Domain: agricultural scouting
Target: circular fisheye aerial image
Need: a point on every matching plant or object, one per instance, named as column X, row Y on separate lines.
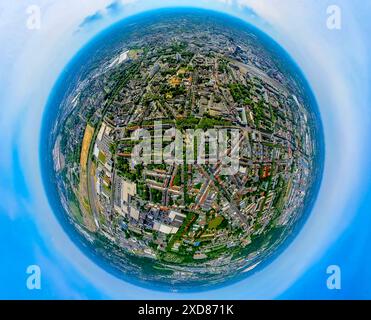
column 182, row 148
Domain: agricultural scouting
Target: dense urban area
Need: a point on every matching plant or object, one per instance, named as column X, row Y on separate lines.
column 184, row 219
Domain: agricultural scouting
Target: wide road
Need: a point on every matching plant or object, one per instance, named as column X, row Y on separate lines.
column 92, row 193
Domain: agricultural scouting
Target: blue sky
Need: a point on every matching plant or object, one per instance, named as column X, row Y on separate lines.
column 336, row 64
